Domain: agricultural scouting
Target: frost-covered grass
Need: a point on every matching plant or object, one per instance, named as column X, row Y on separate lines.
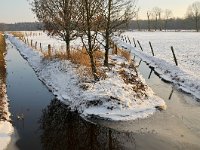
column 121, row 94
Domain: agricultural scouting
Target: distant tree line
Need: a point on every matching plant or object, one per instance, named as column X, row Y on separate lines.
column 158, row 19
column 172, row 24
column 25, row 26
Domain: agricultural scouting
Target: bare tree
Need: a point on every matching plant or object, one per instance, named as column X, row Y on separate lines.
column 116, row 14
column 90, row 12
column 137, row 19
column 167, row 15
column 148, row 19
column 193, row 12
column 59, row 18
column 157, row 16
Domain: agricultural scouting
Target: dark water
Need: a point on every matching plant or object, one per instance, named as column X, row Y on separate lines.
column 49, row 124
column 42, row 122
column 176, row 128
column 28, row 96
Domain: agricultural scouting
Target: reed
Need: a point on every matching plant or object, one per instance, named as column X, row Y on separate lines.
column 121, row 52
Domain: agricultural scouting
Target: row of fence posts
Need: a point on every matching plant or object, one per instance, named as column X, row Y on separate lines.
column 26, row 41
column 127, row 40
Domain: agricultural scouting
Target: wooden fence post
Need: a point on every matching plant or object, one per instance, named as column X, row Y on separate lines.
column 134, row 42
column 151, row 48
column 174, row 56
column 140, row 45
column 116, row 49
column 41, row 46
column 129, row 40
column 49, row 50
column 36, row 45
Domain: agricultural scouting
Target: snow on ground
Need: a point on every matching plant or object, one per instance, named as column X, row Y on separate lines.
column 56, row 43
column 6, row 128
column 188, row 81
column 186, row 46
column 110, row 98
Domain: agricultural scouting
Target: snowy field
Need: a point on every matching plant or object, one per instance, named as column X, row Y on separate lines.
column 186, row 46
column 186, row 75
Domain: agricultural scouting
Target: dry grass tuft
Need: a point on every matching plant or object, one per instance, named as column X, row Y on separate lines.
column 80, row 57
column 138, row 86
column 2, row 47
column 3, row 113
column 124, row 54
column 20, row 35
column 121, row 52
column 2, row 42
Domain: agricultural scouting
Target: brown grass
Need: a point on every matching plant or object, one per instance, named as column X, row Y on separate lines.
column 2, row 42
column 2, row 48
column 138, row 86
column 2, row 77
column 80, row 57
column 20, row 35
column 121, row 52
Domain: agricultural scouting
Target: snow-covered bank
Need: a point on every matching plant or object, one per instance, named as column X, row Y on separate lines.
column 169, row 72
column 186, row 46
column 109, row 98
column 6, row 128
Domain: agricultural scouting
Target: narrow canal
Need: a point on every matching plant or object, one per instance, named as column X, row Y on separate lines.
column 42, row 122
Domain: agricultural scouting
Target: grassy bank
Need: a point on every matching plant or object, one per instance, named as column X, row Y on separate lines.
column 2, row 77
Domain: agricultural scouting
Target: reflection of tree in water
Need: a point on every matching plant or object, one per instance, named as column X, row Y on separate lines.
column 62, row 129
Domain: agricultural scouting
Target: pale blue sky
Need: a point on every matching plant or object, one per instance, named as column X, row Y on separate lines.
column 12, row 11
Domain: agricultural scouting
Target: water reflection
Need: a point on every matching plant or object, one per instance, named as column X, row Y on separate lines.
column 150, row 73
column 63, row 129
column 170, row 96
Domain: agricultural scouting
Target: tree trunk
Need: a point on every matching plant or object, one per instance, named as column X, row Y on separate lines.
column 93, row 67
column 156, row 25
column 165, row 25
column 149, row 28
column 196, row 23
column 106, row 49
column 89, row 49
column 138, row 25
column 68, row 48
column 107, row 34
